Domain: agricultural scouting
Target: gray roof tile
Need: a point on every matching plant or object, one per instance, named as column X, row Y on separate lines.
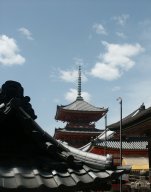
column 81, row 105
column 137, row 145
column 12, row 179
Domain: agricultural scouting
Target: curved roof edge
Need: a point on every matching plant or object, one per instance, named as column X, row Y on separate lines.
column 132, row 118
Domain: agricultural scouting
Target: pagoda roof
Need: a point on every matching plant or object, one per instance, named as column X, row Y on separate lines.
column 81, row 107
column 31, row 160
column 79, row 130
column 141, row 117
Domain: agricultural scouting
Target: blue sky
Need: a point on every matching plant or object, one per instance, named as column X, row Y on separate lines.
column 42, row 42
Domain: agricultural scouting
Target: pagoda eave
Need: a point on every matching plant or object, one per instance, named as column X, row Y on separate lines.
column 67, row 116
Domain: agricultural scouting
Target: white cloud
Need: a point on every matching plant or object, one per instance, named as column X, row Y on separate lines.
column 122, row 19
column 9, row 52
column 105, row 71
column 120, row 55
column 24, row 31
column 116, row 60
column 99, row 29
column 72, row 95
column 71, row 76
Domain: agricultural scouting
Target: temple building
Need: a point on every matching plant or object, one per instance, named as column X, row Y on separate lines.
column 80, row 118
column 136, row 145
column 137, row 125
column 134, row 151
column 33, row 161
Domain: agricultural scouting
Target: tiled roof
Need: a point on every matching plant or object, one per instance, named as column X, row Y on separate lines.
column 79, row 111
column 79, row 130
column 102, row 161
column 31, row 178
column 137, row 145
column 81, row 105
column 32, row 161
column 139, row 115
column 105, row 134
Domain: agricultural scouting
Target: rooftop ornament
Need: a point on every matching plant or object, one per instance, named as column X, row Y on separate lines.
column 79, row 97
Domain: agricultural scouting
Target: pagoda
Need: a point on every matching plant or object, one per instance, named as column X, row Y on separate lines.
column 80, row 118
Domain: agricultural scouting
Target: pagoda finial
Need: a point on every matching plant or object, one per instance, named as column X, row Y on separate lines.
column 79, row 84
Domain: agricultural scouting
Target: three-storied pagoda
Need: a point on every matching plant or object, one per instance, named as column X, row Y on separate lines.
column 80, row 117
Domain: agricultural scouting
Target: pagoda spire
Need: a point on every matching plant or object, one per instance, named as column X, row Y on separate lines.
column 79, row 97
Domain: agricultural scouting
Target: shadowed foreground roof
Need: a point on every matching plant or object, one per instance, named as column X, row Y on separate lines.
column 31, row 160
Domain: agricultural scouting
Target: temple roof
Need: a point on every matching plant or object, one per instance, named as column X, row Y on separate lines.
column 81, row 105
column 31, row 160
column 132, row 144
column 140, row 117
column 79, row 108
column 79, row 130
column 107, row 140
column 102, row 136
